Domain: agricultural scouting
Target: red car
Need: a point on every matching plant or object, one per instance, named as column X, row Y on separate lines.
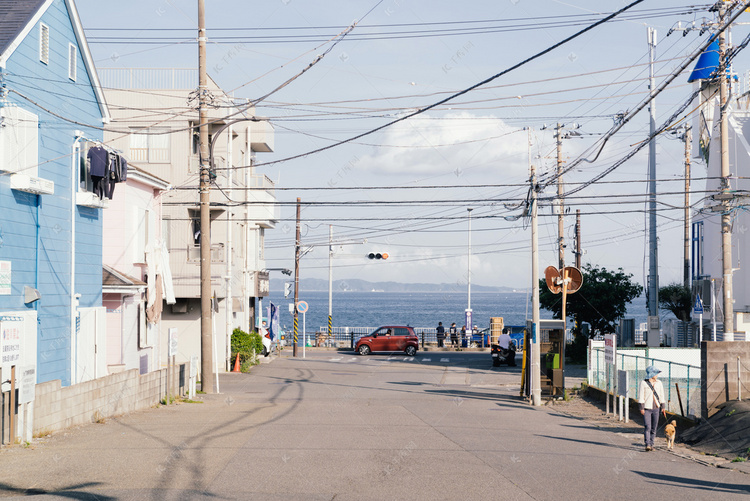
column 390, row 338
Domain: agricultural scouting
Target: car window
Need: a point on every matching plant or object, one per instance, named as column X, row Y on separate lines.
column 379, row 332
column 402, row 332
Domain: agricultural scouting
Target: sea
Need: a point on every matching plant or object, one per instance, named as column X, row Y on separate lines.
column 417, row 309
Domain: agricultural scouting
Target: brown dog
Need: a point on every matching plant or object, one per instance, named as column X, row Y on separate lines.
column 670, row 432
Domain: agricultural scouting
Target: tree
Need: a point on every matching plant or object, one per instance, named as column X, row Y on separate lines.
column 677, row 299
column 601, row 301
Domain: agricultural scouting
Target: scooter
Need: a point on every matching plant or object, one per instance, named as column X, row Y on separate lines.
column 503, row 356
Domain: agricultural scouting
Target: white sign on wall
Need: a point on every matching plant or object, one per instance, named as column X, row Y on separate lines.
column 5, row 278
column 10, row 341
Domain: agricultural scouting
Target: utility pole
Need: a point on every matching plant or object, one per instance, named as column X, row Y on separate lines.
column 296, row 278
column 579, row 252
column 536, row 383
column 207, row 379
column 560, row 203
column 686, row 250
column 330, row 282
column 726, row 195
column 653, row 262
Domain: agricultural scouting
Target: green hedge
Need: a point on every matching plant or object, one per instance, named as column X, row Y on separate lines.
column 244, row 343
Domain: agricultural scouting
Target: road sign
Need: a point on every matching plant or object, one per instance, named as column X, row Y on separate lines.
column 172, row 342
column 698, row 306
column 302, row 306
column 610, row 347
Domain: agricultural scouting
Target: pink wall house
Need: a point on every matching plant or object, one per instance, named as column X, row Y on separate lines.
column 132, row 223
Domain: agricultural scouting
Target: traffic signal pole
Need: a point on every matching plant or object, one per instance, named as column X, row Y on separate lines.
column 330, row 281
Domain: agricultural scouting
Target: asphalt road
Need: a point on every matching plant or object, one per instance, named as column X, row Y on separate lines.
column 441, row 425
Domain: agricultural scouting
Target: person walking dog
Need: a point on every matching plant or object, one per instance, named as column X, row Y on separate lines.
column 652, row 402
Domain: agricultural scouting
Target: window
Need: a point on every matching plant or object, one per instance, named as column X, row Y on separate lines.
column 19, row 141
column 72, row 61
column 150, row 147
column 44, row 43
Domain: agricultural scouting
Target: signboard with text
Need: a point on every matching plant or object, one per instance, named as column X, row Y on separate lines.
column 10, row 341
column 610, row 348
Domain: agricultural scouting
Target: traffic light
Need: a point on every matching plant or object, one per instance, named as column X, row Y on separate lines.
column 377, row 255
column 287, row 289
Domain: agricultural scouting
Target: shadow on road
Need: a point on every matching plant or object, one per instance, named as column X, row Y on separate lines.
column 71, row 492
column 693, row 483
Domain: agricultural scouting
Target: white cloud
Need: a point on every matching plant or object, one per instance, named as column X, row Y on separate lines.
column 451, row 143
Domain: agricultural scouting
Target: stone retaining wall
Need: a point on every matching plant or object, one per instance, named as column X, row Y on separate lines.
column 56, row 408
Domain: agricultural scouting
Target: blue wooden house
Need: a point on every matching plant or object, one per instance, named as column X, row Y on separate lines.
column 50, row 218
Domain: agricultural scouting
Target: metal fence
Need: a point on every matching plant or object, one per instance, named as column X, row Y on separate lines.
column 674, row 375
column 427, row 335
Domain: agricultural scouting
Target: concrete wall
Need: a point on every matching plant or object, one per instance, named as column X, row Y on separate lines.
column 719, row 373
column 56, row 408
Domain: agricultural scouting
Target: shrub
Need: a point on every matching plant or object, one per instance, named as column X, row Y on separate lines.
column 244, row 344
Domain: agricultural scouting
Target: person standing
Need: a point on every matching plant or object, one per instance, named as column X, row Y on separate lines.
column 652, row 402
column 440, row 334
column 454, row 335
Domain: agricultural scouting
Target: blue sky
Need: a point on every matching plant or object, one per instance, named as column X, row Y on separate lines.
column 366, row 81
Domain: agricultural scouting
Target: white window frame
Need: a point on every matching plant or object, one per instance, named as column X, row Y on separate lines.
column 150, row 153
column 72, row 61
column 44, row 43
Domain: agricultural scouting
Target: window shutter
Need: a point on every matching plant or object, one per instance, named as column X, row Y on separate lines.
column 72, row 61
column 44, row 43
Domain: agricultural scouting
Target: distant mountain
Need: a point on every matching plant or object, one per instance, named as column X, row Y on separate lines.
column 357, row 285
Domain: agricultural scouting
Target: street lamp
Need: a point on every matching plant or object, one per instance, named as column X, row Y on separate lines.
column 469, row 324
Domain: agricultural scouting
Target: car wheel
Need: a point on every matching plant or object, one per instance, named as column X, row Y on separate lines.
column 411, row 351
column 364, row 350
column 265, row 351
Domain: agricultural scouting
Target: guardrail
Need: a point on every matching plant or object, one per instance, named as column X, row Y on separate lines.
column 427, row 335
column 673, row 375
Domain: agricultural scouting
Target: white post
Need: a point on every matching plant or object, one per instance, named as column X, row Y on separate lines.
column 304, row 334
column 213, row 337
column 468, row 307
column 713, row 311
column 739, row 381
column 700, row 328
column 330, row 282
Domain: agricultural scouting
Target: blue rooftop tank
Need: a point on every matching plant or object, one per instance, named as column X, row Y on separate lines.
column 707, row 63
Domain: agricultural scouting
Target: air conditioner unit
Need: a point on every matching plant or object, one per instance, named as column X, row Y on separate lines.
column 88, row 199
column 31, row 184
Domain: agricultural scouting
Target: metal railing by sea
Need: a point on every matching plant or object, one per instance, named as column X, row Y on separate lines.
column 427, row 335
column 685, row 376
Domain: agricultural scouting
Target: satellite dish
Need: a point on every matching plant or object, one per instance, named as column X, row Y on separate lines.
column 574, row 277
column 552, row 277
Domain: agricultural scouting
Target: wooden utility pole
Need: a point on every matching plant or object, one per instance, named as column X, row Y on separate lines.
column 207, row 379
column 726, row 195
column 560, row 202
column 686, row 250
column 579, row 252
column 296, row 278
